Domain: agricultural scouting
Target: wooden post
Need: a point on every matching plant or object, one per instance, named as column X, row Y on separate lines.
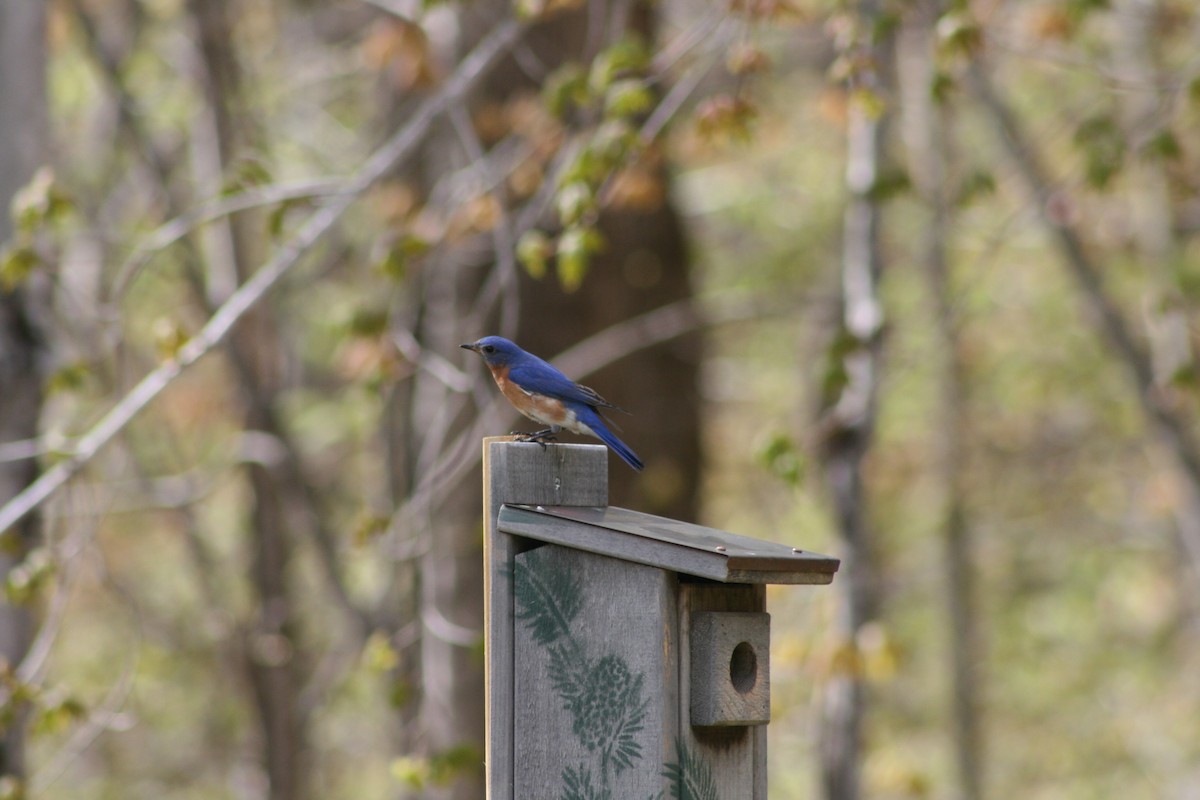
column 521, row 473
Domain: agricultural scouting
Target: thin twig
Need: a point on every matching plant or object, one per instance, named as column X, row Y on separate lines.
column 173, row 230
column 503, row 239
column 23, row 449
column 406, row 12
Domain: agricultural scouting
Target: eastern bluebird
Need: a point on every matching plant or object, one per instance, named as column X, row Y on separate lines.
column 545, row 395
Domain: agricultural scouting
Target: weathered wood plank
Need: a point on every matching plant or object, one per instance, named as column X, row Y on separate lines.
column 596, row 688
column 656, row 541
column 731, row 759
column 550, row 474
column 515, row 472
column 729, row 654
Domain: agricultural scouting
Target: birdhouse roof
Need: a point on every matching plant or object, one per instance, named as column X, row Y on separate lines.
column 668, row 544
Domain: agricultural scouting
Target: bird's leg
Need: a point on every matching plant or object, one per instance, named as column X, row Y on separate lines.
column 541, row 437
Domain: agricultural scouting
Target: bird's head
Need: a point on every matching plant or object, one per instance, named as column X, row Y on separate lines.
column 496, row 351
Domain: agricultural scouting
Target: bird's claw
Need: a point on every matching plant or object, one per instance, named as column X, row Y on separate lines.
column 537, row 437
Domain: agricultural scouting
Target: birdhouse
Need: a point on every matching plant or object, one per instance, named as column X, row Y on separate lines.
column 628, row 655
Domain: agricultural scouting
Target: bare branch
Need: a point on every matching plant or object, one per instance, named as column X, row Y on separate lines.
column 23, row 450
column 503, row 239
column 174, row 230
column 406, row 11
column 402, row 145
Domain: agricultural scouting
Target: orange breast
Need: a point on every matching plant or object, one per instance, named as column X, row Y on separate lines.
column 537, row 407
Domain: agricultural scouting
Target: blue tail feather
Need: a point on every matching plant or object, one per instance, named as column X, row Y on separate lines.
column 610, row 439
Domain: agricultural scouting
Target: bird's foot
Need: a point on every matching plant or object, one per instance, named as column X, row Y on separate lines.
column 540, row 437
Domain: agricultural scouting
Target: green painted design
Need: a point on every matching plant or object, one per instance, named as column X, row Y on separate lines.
column 605, row 699
column 690, row 776
column 547, row 601
column 609, row 712
column 577, row 785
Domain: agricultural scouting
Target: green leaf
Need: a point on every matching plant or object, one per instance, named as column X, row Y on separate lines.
column 401, row 693
column 378, row 655
column 870, row 102
column 245, row 173
column 59, row 713
column 626, row 56
column 39, row 202
column 1103, row 147
column 396, row 258
column 278, row 217
column 169, row 337
column 781, row 456
column 439, row 769
column 613, row 141
column 367, row 528
column 1163, row 145
column 566, row 89
column 725, row 116
column 367, row 323
column 588, row 167
column 1079, row 9
column 1185, row 376
column 70, row 377
column 959, row 34
column 534, row 250
column 889, row 184
column 574, row 201
column 26, row 580
column 975, row 184
column 446, row 766
column 1187, row 278
column 412, row 771
column 883, row 26
column 941, row 86
column 575, row 250
column 530, row 9
column 17, row 263
column 835, row 378
column 627, row 98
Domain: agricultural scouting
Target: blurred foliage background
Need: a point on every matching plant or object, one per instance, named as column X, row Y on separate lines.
column 912, row 282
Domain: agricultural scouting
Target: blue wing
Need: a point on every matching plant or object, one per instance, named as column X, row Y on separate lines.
column 535, row 375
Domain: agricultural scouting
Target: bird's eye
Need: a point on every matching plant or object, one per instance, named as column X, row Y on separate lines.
column 487, row 348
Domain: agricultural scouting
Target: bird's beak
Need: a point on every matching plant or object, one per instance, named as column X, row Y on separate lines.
column 474, row 347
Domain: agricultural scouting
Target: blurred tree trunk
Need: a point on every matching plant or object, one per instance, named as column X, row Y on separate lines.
column 23, row 130
column 931, row 159
column 273, row 652
column 848, row 404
